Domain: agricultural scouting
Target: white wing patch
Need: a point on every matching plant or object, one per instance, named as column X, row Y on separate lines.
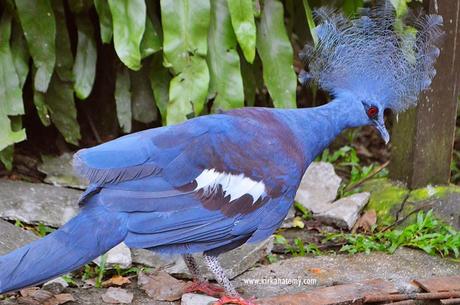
column 234, row 185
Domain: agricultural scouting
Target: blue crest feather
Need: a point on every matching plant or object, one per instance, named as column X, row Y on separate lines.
column 370, row 56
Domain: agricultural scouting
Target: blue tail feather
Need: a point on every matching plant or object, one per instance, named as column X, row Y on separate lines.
column 79, row 241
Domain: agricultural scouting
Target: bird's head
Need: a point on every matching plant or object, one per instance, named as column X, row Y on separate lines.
column 373, row 63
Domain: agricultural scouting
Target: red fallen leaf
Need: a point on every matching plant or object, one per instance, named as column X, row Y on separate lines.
column 315, row 270
column 365, row 222
column 116, row 280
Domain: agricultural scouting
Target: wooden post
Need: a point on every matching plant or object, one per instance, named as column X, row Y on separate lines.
column 422, row 138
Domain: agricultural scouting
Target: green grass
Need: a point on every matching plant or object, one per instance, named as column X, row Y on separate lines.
column 428, row 234
column 297, row 248
column 346, row 160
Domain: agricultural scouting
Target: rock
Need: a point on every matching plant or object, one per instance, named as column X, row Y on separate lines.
column 390, row 199
column 197, row 299
column 117, row 296
column 56, row 285
column 234, row 262
column 340, row 294
column 319, row 187
column 119, row 255
column 59, row 171
column 172, row 264
column 344, row 212
column 37, row 203
column 399, row 268
column 12, row 237
column 161, row 286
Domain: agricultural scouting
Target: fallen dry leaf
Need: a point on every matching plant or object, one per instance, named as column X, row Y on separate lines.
column 116, row 280
column 365, row 222
column 28, row 292
column 297, row 222
column 161, row 286
column 60, row 299
column 117, row 296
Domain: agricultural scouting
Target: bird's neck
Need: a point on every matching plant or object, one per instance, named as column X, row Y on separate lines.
column 315, row 128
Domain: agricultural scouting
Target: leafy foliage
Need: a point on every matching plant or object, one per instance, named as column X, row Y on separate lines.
column 175, row 58
column 427, row 234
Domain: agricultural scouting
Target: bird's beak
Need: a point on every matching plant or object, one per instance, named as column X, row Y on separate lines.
column 380, row 125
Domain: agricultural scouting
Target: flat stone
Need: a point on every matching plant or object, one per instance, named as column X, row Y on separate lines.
column 234, row 262
column 344, row 212
column 59, row 171
column 117, row 296
column 12, row 237
column 341, row 294
column 318, row 187
column 399, row 268
column 161, row 286
column 173, row 264
column 35, row 203
column 197, row 299
column 119, row 255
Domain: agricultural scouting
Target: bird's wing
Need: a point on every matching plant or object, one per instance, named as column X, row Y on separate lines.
column 219, row 180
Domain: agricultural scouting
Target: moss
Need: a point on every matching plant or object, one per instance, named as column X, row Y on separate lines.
column 432, row 192
column 386, row 198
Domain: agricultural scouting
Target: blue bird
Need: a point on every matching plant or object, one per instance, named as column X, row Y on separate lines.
column 215, row 182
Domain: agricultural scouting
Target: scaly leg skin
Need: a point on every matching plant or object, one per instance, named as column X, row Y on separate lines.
column 199, row 283
column 232, row 296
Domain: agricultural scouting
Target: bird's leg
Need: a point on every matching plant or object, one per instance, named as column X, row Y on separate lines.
column 199, row 284
column 232, row 296
column 193, row 267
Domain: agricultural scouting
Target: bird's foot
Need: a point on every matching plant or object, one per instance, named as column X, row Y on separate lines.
column 235, row 300
column 204, row 287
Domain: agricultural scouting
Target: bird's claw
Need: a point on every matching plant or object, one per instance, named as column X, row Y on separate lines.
column 234, row 300
column 204, row 287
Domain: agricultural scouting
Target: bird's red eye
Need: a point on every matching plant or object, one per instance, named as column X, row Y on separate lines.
column 372, row 112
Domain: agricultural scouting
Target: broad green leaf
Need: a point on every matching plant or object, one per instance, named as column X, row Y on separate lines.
column 10, row 90
column 242, row 15
column 185, row 29
column 275, row 50
column 6, row 157
column 142, row 102
column 42, row 109
column 128, row 18
column 400, row 7
column 311, row 21
column 159, row 79
column 64, row 56
column 105, row 19
column 223, row 60
column 256, row 8
column 20, row 53
column 37, row 20
column 151, row 41
column 8, row 136
column 60, row 102
column 123, row 98
column 84, row 69
column 188, row 91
